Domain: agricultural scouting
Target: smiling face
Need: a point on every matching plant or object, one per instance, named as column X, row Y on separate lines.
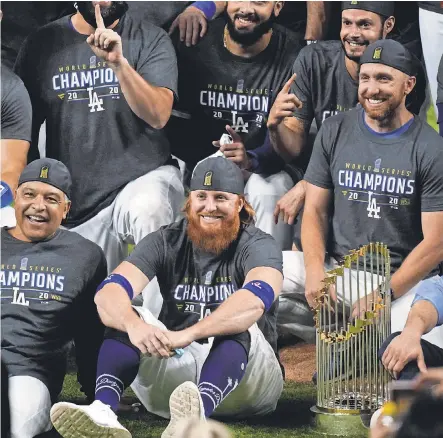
column 214, row 219
column 359, row 29
column 383, row 89
column 39, row 210
column 249, row 21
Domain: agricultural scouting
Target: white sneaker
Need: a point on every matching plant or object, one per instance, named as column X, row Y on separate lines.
column 185, row 402
column 93, row 421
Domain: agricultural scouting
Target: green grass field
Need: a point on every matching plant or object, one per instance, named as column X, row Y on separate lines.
column 291, row 419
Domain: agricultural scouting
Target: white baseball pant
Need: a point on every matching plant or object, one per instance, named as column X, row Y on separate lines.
column 263, row 193
column 7, row 217
column 30, row 404
column 257, row 393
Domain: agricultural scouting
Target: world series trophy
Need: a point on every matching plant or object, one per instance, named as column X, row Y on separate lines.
column 351, row 381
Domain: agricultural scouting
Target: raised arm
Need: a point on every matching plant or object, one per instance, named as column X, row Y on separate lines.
column 151, row 103
column 288, row 134
column 193, row 21
column 318, row 14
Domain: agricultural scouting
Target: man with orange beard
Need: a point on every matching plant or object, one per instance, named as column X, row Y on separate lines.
column 219, row 277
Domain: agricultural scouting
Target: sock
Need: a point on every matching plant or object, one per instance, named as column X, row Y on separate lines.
column 222, row 371
column 117, row 368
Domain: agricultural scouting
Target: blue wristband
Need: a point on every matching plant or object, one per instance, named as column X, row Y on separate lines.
column 120, row 280
column 261, row 290
column 207, row 7
column 6, row 196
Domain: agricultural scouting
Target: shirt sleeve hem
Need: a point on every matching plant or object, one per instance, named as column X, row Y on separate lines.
column 431, row 209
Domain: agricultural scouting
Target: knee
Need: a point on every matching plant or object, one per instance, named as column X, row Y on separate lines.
column 242, row 339
column 29, row 420
column 146, row 206
column 293, row 266
column 385, row 344
column 116, row 336
column 275, row 186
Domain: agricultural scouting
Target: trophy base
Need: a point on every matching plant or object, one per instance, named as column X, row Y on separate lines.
column 353, row 424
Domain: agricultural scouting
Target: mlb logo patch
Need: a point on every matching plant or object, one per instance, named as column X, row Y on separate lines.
column 377, row 53
column 44, row 172
column 208, row 179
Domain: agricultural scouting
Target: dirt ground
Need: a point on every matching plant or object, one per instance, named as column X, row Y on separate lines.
column 299, row 362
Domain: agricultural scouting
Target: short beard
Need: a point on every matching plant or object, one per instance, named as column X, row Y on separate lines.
column 366, row 42
column 109, row 13
column 214, row 242
column 383, row 117
column 249, row 38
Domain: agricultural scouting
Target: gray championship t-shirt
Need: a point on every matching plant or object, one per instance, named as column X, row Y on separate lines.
column 218, row 88
column 16, row 118
column 89, row 125
column 194, row 283
column 380, row 185
column 47, row 299
column 326, row 88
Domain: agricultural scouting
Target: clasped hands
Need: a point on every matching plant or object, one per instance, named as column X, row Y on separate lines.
column 158, row 342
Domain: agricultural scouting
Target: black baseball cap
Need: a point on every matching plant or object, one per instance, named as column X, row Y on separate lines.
column 386, row 9
column 49, row 171
column 392, row 54
column 218, row 174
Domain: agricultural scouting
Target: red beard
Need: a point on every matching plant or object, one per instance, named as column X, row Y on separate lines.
column 214, row 240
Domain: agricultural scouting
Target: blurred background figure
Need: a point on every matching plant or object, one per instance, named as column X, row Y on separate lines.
column 422, row 418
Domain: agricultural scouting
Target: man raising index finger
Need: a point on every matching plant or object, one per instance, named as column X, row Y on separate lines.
column 105, row 118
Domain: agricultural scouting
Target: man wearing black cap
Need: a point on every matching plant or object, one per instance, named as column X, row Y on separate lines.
column 48, row 278
column 378, row 168
column 327, row 84
column 219, row 277
column 327, row 75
